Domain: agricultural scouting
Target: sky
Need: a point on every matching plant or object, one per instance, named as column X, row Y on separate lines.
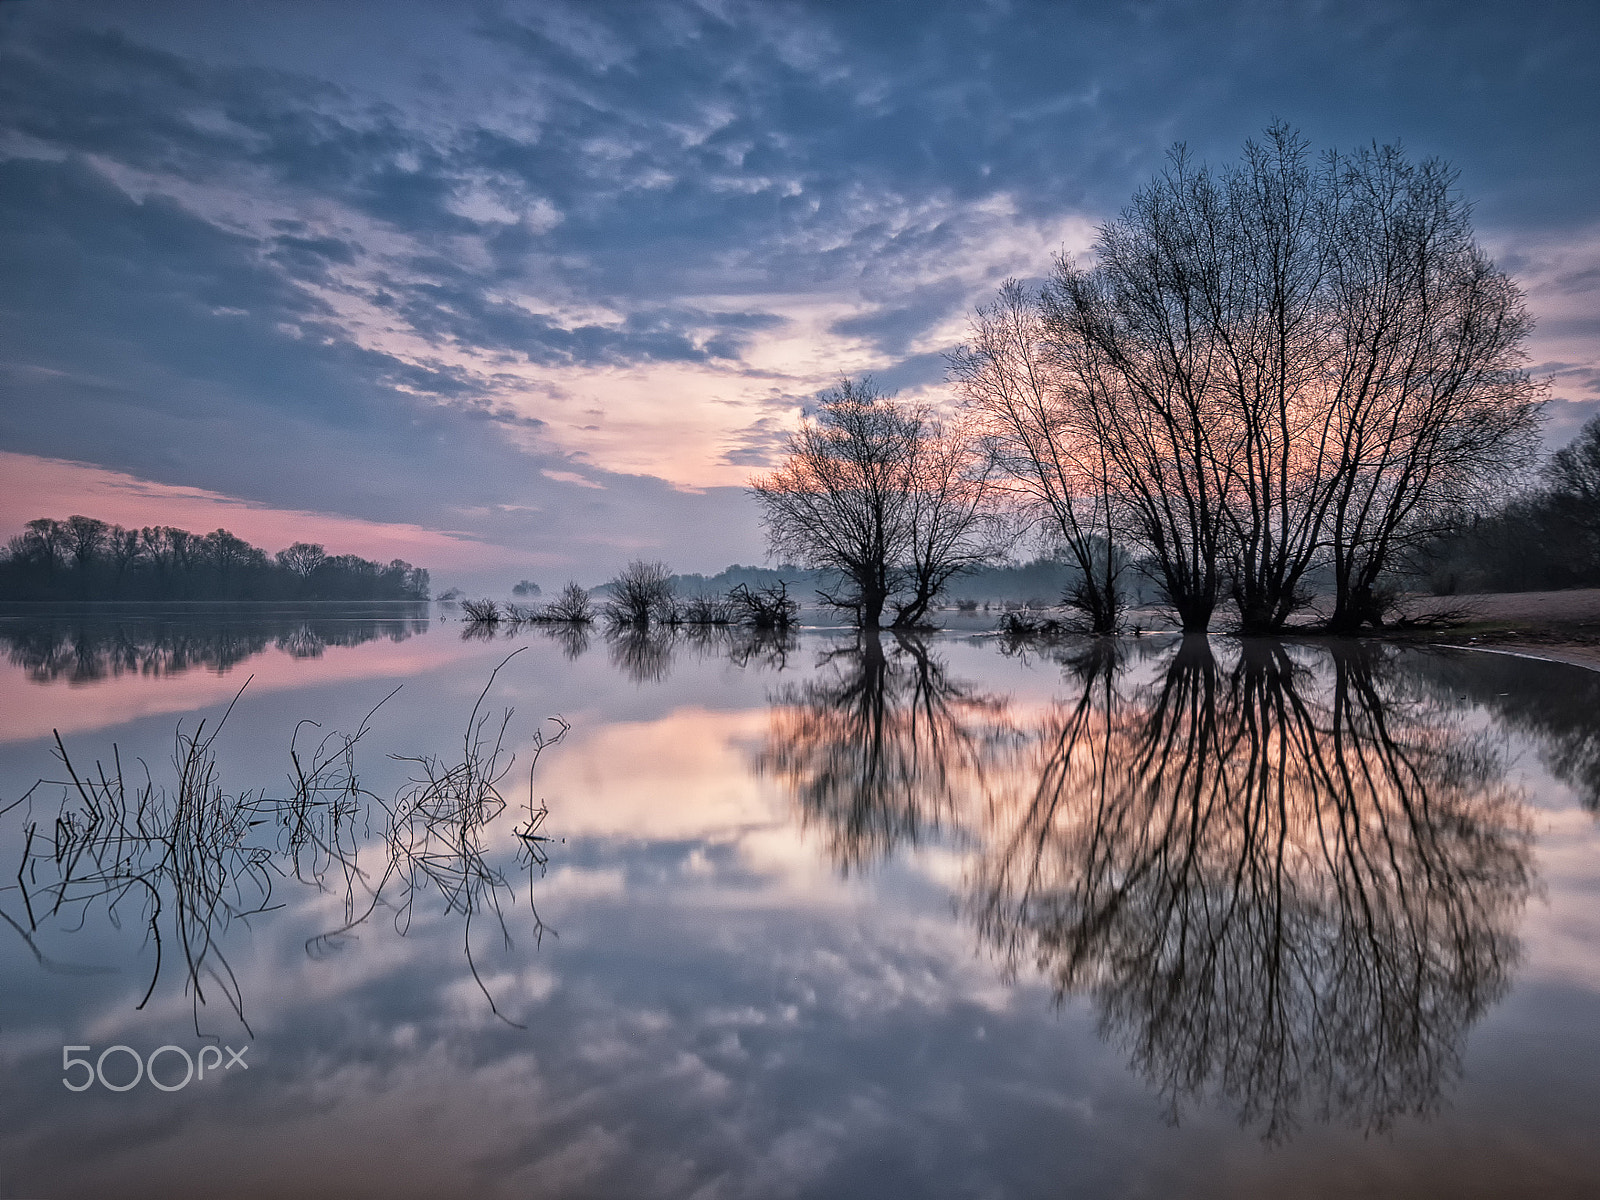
column 527, row 290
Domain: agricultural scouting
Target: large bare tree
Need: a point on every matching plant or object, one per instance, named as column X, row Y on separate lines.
column 883, row 496
column 1144, row 376
column 1433, row 409
column 1292, row 366
column 302, row 559
column 1049, row 458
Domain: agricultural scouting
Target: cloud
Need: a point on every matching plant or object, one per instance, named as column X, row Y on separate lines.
column 418, row 277
column 572, row 477
column 759, row 444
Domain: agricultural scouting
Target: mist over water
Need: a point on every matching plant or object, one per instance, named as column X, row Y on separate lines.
column 790, row 914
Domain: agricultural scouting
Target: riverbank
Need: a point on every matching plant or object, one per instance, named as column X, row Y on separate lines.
column 1562, row 626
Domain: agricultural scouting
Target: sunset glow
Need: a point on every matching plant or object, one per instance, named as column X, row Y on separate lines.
column 538, row 291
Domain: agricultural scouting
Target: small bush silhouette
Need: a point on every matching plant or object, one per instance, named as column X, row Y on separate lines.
column 640, row 594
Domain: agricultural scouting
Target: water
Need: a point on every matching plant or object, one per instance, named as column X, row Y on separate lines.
column 923, row 917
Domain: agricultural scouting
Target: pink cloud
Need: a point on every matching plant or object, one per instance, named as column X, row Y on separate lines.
column 47, row 487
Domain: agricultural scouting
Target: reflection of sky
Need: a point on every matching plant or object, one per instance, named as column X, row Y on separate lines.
column 720, row 1012
column 534, row 286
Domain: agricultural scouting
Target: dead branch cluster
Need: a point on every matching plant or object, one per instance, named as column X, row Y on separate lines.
column 642, row 597
column 572, row 607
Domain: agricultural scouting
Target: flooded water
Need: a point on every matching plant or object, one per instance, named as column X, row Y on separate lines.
column 298, row 913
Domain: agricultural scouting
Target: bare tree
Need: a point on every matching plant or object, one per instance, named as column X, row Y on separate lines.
column 1198, row 345
column 1434, row 409
column 1144, row 379
column 1032, row 428
column 47, row 540
column 571, row 607
column 228, row 554
column 86, row 540
column 839, row 500
column 954, row 524
column 1574, row 470
column 641, row 593
column 1292, row 366
column 1264, row 301
column 173, row 551
column 125, row 550
column 302, row 558
column 885, row 497
column 1570, row 504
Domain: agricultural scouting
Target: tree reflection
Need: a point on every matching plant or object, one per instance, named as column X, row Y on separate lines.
column 80, row 647
column 1287, row 879
column 1290, row 888
column 1553, row 704
column 647, row 654
column 643, row 653
column 882, row 746
column 571, row 636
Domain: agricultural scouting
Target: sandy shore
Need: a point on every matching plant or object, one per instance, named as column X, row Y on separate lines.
column 1563, row 626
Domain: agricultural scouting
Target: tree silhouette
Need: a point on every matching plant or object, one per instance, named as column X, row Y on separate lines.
column 1282, row 367
column 883, row 496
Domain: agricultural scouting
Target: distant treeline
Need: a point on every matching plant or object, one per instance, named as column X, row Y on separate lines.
column 797, row 579
column 83, row 558
column 1548, row 537
column 1041, row 580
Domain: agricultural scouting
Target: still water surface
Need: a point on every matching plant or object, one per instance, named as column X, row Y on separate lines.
column 935, row 917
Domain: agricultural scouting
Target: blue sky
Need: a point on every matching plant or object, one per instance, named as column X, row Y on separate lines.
column 531, row 289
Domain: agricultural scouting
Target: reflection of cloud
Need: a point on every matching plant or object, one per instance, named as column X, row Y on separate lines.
column 763, row 1056
column 721, row 1013
column 680, row 775
column 732, row 1044
column 568, row 884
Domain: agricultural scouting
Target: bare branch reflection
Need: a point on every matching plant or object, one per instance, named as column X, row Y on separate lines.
column 1293, row 889
column 882, row 746
column 641, row 652
column 106, row 643
column 571, row 636
column 1288, row 880
column 646, row 654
